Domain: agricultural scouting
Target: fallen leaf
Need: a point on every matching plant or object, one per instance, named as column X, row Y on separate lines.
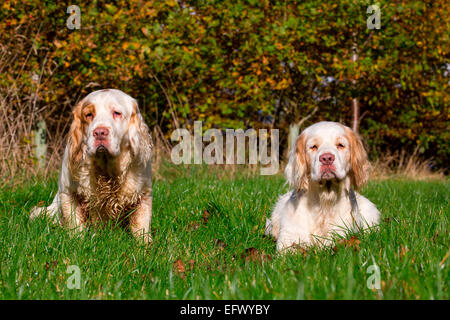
column 353, row 242
column 250, row 254
column 194, row 226
column 50, row 265
column 191, row 264
column 402, row 252
column 254, row 255
column 179, row 266
column 300, row 249
column 220, row 244
column 205, row 217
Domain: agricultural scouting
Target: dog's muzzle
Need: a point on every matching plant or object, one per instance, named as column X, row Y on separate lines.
column 101, row 150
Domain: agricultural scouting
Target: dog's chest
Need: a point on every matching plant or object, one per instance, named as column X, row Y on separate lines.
column 326, row 221
column 106, row 198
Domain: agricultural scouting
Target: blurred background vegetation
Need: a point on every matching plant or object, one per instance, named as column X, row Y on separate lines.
column 231, row 64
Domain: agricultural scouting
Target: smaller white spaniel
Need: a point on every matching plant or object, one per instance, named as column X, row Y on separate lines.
column 106, row 169
column 326, row 162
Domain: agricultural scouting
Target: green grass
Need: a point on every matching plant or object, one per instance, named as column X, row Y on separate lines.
column 409, row 248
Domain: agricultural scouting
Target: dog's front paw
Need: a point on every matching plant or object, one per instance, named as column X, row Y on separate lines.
column 36, row 212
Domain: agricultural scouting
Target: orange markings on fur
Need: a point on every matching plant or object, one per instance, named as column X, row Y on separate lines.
column 358, row 157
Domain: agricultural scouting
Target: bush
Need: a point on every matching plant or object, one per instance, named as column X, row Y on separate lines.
column 238, row 64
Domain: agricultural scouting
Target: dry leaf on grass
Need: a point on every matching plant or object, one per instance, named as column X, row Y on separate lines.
column 50, row 265
column 220, row 244
column 205, row 217
column 300, row 249
column 353, row 242
column 255, row 255
column 402, row 252
column 193, row 226
column 179, row 267
column 191, row 265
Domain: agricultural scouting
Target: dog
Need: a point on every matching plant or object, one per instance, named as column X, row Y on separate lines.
column 326, row 163
column 106, row 167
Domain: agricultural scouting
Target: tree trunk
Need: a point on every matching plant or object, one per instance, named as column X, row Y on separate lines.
column 40, row 143
column 355, row 102
column 355, row 122
column 294, row 131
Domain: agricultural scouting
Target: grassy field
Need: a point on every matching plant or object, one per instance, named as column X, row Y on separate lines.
column 209, row 244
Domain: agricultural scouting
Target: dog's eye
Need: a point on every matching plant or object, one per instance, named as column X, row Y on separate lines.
column 340, row 146
column 89, row 115
column 313, row 148
column 117, row 114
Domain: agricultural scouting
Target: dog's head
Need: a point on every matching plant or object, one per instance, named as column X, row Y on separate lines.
column 105, row 122
column 327, row 151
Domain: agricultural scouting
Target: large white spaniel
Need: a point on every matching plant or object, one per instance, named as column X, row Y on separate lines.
column 327, row 161
column 106, row 171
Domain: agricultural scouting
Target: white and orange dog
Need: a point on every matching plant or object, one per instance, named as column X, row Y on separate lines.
column 106, row 168
column 327, row 161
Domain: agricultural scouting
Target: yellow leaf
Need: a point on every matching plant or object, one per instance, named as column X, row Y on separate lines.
column 171, row 3
column 57, row 44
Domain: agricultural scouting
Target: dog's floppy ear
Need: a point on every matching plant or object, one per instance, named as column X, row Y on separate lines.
column 297, row 171
column 358, row 158
column 139, row 136
column 75, row 139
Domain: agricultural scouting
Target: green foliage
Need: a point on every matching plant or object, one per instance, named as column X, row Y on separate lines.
column 231, row 63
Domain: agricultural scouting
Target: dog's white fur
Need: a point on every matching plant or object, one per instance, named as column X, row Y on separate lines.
column 108, row 179
column 320, row 205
